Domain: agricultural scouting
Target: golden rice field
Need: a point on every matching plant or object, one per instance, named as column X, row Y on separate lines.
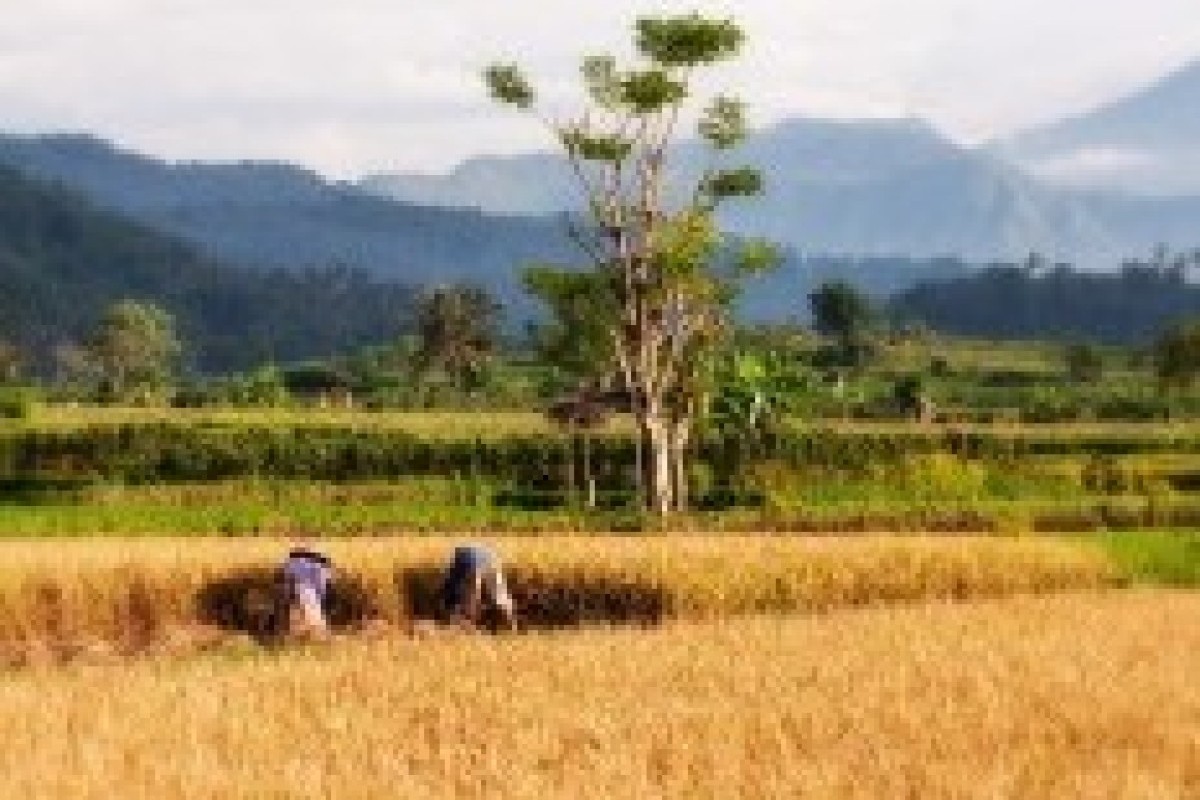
column 67, row 598
column 1068, row 697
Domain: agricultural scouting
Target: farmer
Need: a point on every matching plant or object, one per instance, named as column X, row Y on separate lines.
column 306, row 576
column 474, row 585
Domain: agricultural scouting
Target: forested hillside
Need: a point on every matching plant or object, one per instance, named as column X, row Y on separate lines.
column 270, row 215
column 62, row 260
column 1034, row 302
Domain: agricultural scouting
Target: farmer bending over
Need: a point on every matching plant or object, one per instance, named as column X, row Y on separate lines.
column 306, row 575
column 474, row 585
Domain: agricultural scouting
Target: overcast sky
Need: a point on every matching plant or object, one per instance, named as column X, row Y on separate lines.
column 349, row 86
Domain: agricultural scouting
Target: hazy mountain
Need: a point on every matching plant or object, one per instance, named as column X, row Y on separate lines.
column 865, row 188
column 63, row 260
column 1147, row 142
column 794, row 155
column 279, row 215
column 806, row 151
column 276, row 215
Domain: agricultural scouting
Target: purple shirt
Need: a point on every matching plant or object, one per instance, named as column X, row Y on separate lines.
column 309, row 569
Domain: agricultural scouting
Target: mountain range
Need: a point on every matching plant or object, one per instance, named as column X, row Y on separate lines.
column 885, row 203
column 867, row 188
column 261, row 214
column 279, row 216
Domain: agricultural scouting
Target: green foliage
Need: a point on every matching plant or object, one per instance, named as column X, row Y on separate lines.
column 755, row 256
column 508, row 85
column 264, row 387
column 909, row 394
column 1084, row 363
column 727, row 184
column 576, row 338
column 458, row 327
column 939, row 367
column 687, row 41
column 685, row 248
column 17, row 402
column 649, row 91
column 1166, row 557
column 602, row 80
column 723, row 123
column 134, row 348
column 1029, row 301
column 841, row 311
column 139, row 453
column 611, row 148
column 258, row 478
column 943, row 477
column 673, row 302
column 1177, row 354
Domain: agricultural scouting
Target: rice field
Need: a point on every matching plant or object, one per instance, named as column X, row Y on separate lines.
column 470, row 425
column 433, row 424
column 1067, row 697
column 62, row 599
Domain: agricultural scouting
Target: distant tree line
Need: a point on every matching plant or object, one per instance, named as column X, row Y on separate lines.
column 1039, row 300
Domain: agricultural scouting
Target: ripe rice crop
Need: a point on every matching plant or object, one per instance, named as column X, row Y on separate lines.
column 130, row 594
column 1078, row 696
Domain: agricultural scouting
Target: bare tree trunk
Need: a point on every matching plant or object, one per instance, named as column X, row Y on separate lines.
column 639, row 464
column 658, row 435
column 663, row 485
column 571, row 466
column 588, row 480
column 679, row 454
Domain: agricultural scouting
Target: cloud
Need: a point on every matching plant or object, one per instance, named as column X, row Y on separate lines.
column 374, row 84
column 1090, row 163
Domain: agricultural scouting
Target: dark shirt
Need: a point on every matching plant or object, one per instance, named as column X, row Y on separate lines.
column 468, row 561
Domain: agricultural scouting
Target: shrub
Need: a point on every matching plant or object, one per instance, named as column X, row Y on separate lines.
column 17, row 402
column 1084, row 363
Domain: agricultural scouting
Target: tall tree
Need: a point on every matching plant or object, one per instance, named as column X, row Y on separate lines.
column 662, row 294
column 841, row 311
column 577, row 337
column 134, row 347
column 1177, row 354
column 458, row 328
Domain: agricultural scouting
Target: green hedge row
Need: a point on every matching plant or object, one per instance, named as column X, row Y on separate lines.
column 154, row 453
column 146, row 453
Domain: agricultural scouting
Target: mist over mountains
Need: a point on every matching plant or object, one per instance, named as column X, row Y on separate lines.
column 1147, row 143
